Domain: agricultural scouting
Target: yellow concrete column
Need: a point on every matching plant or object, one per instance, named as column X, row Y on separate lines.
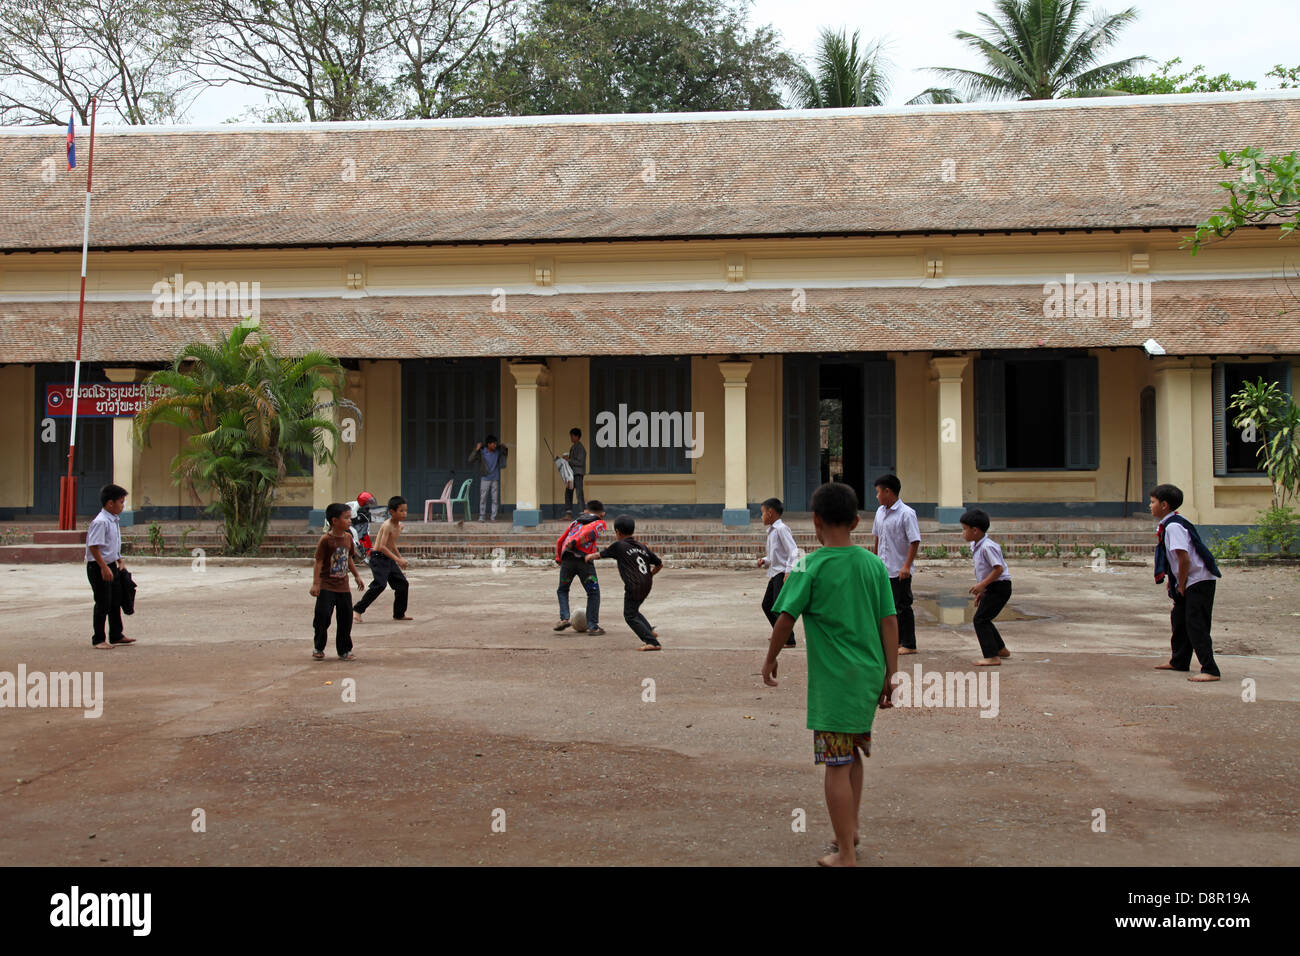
column 735, row 508
column 322, row 476
column 1175, row 432
column 525, row 455
column 948, row 371
column 126, row 453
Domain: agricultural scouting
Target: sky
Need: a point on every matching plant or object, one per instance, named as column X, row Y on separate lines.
column 1245, row 39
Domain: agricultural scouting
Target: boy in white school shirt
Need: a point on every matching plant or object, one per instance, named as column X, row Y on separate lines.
column 897, row 537
column 992, row 589
column 781, row 556
column 1191, row 570
column 104, row 568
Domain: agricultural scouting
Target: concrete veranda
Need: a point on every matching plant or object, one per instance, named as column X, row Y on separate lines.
column 478, row 706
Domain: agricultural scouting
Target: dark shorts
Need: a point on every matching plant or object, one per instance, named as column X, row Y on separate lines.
column 836, row 749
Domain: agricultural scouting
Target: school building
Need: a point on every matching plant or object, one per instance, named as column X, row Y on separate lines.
column 989, row 300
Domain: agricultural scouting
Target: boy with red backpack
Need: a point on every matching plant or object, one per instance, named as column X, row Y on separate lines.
column 571, row 550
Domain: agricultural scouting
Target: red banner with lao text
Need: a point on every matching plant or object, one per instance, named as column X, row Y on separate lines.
column 102, row 400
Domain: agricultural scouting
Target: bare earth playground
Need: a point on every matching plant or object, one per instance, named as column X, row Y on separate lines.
column 476, row 735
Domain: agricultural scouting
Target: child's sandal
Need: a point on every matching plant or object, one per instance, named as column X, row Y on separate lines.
column 318, row 655
column 347, row 657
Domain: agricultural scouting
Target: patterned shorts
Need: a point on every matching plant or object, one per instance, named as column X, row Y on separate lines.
column 835, row 750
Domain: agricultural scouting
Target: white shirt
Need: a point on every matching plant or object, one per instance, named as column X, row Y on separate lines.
column 988, row 555
column 1177, row 539
column 106, row 532
column 896, row 528
column 781, row 549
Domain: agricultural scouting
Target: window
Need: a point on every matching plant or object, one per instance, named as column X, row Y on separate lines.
column 1036, row 413
column 1233, row 455
column 641, row 419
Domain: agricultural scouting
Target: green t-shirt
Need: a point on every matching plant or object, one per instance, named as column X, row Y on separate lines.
column 842, row 595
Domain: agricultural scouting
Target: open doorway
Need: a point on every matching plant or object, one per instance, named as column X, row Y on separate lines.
column 840, row 411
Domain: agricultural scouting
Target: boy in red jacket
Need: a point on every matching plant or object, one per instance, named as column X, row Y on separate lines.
column 571, row 550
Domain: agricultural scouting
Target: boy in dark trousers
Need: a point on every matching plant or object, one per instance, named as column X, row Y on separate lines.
column 329, row 583
column 1191, row 570
column 637, row 565
column 387, row 564
column 577, row 459
column 106, row 570
column 992, row 588
column 571, row 550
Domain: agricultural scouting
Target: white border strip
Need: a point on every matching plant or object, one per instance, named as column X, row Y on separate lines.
column 669, row 119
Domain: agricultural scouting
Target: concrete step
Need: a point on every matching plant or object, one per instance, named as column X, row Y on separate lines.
column 42, row 554
column 58, row 537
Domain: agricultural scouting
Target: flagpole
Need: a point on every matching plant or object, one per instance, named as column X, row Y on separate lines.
column 68, row 492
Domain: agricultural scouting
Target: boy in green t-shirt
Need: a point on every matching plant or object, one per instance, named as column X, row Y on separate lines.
column 851, row 634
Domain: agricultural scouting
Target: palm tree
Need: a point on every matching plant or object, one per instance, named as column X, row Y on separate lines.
column 1040, row 49
column 252, row 416
column 845, row 76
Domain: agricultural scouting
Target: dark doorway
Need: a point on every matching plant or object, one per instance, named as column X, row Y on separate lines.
column 841, row 408
column 448, row 406
column 93, row 465
column 1147, row 404
column 1035, row 415
column 837, row 422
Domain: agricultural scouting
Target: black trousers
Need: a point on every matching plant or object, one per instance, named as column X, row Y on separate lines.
column 773, row 591
column 902, row 588
column 635, row 619
column 108, row 603
column 574, row 567
column 995, row 598
column 327, row 603
column 387, row 574
column 576, row 490
column 1190, row 622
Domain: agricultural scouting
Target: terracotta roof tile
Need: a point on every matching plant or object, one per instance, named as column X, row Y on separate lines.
column 1188, row 318
column 1139, row 161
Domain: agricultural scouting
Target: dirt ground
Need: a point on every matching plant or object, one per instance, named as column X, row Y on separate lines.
column 477, row 717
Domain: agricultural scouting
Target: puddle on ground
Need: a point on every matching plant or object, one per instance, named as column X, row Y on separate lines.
column 959, row 609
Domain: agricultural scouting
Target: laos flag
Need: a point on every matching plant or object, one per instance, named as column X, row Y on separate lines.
column 72, row 144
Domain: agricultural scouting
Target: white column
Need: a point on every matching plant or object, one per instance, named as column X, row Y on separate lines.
column 735, row 508
column 949, row 372
column 525, row 455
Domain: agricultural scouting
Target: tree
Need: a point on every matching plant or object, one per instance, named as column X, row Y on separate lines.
column 328, row 60
column 1265, row 190
column 1040, row 49
column 629, row 56
column 1194, row 80
column 55, row 55
column 846, row 76
column 251, row 415
column 1272, row 419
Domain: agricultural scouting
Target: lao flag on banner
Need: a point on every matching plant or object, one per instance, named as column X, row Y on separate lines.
column 72, row 144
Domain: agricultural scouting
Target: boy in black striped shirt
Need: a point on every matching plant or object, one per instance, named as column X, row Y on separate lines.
column 637, row 566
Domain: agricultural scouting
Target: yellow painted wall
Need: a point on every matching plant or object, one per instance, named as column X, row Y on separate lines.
column 19, row 432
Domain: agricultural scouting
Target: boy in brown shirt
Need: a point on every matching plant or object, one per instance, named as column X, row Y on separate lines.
column 329, row 583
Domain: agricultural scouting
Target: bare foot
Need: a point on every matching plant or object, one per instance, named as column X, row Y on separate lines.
column 1004, row 653
column 1203, row 678
column 357, row 618
column 837, row 859
column 907, row 650
column 1165, row 667
column 988, row 662
column 835, row 845
column 103, row 646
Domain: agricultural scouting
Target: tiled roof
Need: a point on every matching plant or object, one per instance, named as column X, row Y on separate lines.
column 1111, row 163
column 1187, row 318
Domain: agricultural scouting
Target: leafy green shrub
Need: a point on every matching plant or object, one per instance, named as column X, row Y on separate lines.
column 1225, row 548
column 156, row 542
column 1278, row 531
column 935, row 552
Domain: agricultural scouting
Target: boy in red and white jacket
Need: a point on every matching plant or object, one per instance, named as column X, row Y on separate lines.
column 571, row 550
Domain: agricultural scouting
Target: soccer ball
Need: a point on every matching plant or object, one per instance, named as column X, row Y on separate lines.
column 579, row 620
